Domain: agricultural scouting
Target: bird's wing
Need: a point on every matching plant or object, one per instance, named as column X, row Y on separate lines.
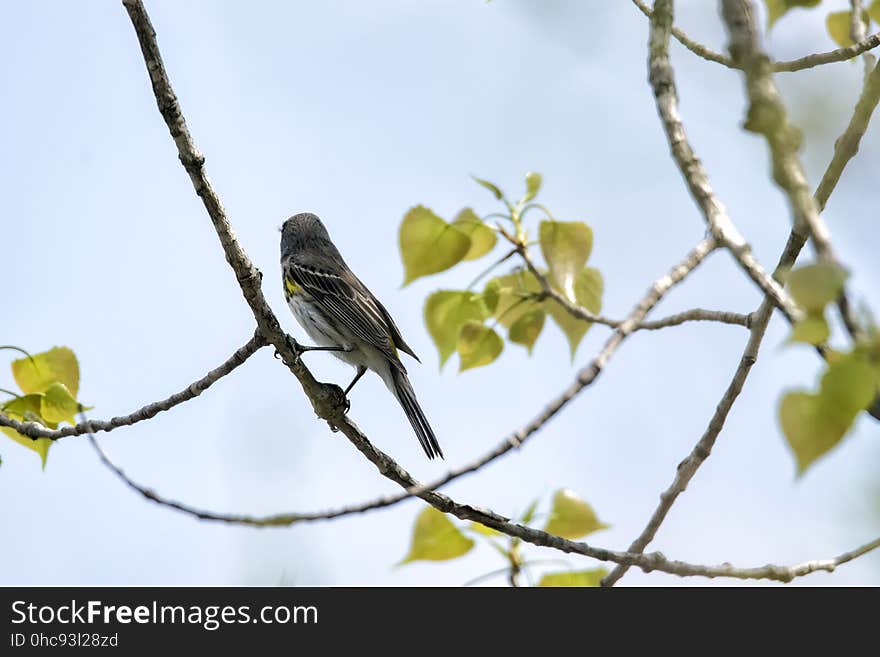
column 348, row 301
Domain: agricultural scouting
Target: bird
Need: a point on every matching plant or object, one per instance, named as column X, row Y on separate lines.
column 341, row 315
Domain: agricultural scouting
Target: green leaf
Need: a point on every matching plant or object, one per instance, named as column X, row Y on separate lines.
column 26, row 409
column 446, row 312
column 778, row 8
column 815, row 286
column 588, row 294
column 482, row 529
column 813, row 329
column 508, row 294
column 815, row 423
column 24, row 406
column 483, row 238
column 533, row 186
column 874, row 11
column 849, row 385
column 436, row 538
column 838, row 25
column 571, row 517
column 428, row 244
column 35, row 374
column 478, row 345
column 566, row 247
column 526, row 329
column 491, row 295
column 58, row 405
column 574, row 578
column 491, row 187
column 40, row 445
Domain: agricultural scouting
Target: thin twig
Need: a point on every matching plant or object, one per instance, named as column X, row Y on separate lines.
column 275, row 520
column 579, row 312
column 830, row 57
column 719, row 223
column 695, row 47
column 861, row 46
column 36, row 430
column 847, row 145
column 858, row 31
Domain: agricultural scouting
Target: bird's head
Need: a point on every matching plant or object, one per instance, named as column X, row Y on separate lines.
column 302, row 231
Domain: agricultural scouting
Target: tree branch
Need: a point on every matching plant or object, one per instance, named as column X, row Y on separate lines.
column 847, row 145
column 36, row 430
column 719, row 223
column 861, row 46
column 275, row 520
column 695, row 47
column 767, row 116
column 579, row 312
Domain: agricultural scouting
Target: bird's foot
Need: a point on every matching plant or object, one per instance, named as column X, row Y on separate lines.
column 330, row 403
column 293, row 346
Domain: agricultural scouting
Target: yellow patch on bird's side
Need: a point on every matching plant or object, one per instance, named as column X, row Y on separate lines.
column 290, row 287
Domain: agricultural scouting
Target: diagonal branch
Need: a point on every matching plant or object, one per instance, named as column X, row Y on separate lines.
column 847, row 145
column 719, row 223
column 767, row 116
column 36, row 430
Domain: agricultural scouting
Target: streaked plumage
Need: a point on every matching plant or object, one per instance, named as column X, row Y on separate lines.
column 337, row 310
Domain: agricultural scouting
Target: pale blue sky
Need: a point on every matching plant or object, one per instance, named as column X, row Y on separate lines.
column 358, row 111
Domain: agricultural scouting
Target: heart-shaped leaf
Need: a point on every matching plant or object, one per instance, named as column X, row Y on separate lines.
column 478, row 345
column 815, row 286
column 428, row 244
column 526, row 329
column 483, row 238
column 588, row 289
column 571, row 517
column 566, row 247
column 58, row 365
column 812, row 329
column 436, row 538
column 58, row 405
column 446, row 311
column 815, row 423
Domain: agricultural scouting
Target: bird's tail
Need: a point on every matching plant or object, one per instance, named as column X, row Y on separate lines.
column 407, row 398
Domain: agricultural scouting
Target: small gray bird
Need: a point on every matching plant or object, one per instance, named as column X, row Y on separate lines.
column 338, row 312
